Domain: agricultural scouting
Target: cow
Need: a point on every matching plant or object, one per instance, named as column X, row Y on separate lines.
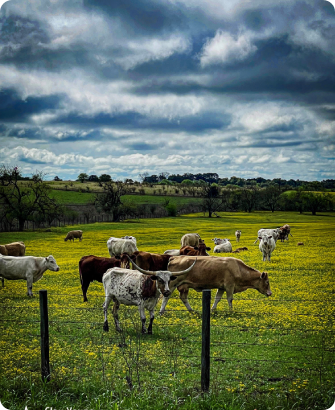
column 238, row 235
column 29, row 268
column 141, row 288
column 118, row 246
column 224, row 247
column 222, row 273
column 284, row 232
column 273, row 232
column 92, row 268
column 72, row 235
column 200, row 250
column 190, row 239
column 149, row 261
column 219, row 241
column 132, row 238
column 13, row 249
column 266, row 246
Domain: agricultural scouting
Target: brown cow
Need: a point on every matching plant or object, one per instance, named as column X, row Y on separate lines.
column 211, row 272
column 93, row 267
column 74, row 234
column 284, row 232
column 149, row 261
column 195, row 251
column 13, row 249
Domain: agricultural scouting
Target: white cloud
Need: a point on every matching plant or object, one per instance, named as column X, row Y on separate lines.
column 223, row 48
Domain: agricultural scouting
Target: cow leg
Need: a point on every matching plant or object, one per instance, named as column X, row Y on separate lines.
column 183, row 294
column 84, row 288
column 143, row 318
column 30, row 285
column 105, row 306
column 230, row 293
column 116, row 315
column 218, row 297
column 152, row 317
column 164, row 303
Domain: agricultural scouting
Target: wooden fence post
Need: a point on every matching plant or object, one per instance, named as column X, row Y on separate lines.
column 206, row 330
column 45, row 363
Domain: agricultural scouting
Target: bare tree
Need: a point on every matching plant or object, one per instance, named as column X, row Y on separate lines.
column 26, row 200
column 212, row 202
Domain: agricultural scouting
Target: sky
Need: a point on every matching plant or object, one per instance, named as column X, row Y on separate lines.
column 242, row 88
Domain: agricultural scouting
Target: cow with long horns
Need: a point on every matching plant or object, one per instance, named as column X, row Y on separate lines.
column 140, row 288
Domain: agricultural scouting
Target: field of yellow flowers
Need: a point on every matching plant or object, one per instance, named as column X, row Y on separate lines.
column 278, row 347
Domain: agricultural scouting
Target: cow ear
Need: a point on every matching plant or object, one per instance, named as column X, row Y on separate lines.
column 173, row 277
column 264, row 275
column 153, row 277
column 208, row 248
column 46, row 259
column 259, row 237
column 270, row 237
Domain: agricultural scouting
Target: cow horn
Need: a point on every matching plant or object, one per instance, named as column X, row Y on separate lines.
column 186, row 270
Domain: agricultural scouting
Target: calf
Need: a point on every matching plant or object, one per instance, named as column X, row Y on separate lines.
column 200, row 250
column 266, row 246
column 238, row 235
column 148, row 261
column 224, row 247
column 29, row 268
column 129, row 287
column 92, row 268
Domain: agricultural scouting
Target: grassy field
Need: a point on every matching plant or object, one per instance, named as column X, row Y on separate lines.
column 268, row 353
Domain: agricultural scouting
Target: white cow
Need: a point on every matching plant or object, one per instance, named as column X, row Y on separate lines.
column 266, row 246
column 238, row 235
column 222, row 246
column 132, row 238
column 29, row 268
column 132, row 288
column 273, row 232
column 117, row 246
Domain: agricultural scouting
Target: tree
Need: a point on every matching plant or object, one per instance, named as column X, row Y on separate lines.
column 57, row 178
column 249, row 198
column 110, row 200
column 271, row 196
column 143, row 176
column 82, row 177
column 105, row 178
column 316, row 202
column 26, row 201
column 211, row 200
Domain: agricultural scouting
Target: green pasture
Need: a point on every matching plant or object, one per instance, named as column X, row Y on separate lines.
column 268, row 353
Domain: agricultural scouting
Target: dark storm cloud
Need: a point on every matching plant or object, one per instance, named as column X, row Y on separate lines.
column 13, row 108
column 133, row 120
column 141, row 15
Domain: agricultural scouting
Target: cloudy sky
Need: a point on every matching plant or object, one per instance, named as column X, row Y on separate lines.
column 237, row 87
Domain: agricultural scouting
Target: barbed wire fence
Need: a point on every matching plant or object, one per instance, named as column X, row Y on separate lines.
column 68, row 342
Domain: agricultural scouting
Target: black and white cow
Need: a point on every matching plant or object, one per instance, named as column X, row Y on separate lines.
column 132, row 288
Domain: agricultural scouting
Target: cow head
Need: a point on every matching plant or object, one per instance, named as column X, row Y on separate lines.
column 51, row 263
column 163, row 278
column 263, row 285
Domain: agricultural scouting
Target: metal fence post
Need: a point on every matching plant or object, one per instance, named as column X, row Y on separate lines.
column 205, row 351
column 45, row 363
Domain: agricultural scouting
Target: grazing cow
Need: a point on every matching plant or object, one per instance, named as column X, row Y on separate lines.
column 284, row 232
column 149, row 261
column 224, row 247
column 92, row 268
column 29, row 268
column 172, row 252
column 222, row 273
column 118, row 246
column 190, row 239
column 129, row 287
column 200, row 250
column 72, row 235
column 13, row 249
column 238, row 235
column 273, row 232
column 266, row 246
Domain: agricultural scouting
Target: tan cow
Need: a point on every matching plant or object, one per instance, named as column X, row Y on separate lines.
column 74, row 234
column 190, row 239
column 211, row 272
column 13, row 249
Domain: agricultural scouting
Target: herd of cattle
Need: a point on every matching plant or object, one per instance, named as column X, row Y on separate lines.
column 152, row 275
